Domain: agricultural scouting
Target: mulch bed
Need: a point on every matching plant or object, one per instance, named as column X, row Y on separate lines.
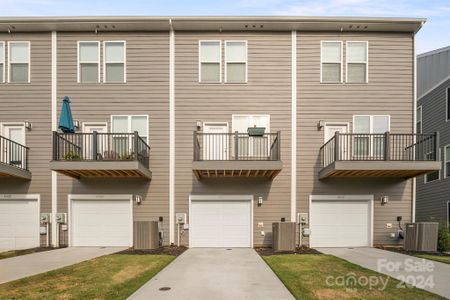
column 400, row 249
column 301, row 250
column 166, row 250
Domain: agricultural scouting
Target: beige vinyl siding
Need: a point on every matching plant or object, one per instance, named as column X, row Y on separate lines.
column 389, row 92
column 268, row 91
column 145, row 93
column 31, row 102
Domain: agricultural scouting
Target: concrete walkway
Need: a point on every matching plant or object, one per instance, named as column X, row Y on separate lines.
column 31, row 264
column 210, row 274
column 403, row 267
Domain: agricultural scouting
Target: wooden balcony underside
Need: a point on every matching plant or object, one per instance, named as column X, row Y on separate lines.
column 13, row 172
column 244, row 169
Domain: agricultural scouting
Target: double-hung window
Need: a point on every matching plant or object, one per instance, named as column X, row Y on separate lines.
column 89, row 62
column 357, row 62
column 368, row 135
column 210, row 62
column 19, row 62
column 114, row 61
column 2, row 62
column 331, row 61
column 235, row 61
column 447, row 161
column 419, row 120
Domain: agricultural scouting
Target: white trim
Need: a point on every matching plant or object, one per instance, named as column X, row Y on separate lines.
column 3, row 61
column 206, row 123
column 246, row 60
column 20, row 125
column 129, row 125
column 357, row 62
column 124, row 61
column 251, row 116
column 293, row 125
column 425, row 177
column 448, row 214
column 414, row 180
column 19, row 62
column 83, row 126
column 346, row 198
column 371, row 117
column 434, row 87
column 172, row 134
column 337, row 123
column 447, row 108
column 220, row 198
column 54, row 176
column 88, row 197
column 446, row 161
column 417, row 120
column 340, row 62
column 88, row 62
column 200, row 61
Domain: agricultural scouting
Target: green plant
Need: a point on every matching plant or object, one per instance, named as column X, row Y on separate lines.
column 443, row 237
column 71, row 156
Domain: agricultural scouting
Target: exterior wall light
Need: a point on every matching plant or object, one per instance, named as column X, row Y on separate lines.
column 320, row 125
column 384, row 200
column 76, row 124
column 138, row 199
column 28, row 125
column 260, row 200
column 199, row 125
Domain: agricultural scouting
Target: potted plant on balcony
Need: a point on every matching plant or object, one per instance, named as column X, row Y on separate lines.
column 71, row 155
column 256, row 131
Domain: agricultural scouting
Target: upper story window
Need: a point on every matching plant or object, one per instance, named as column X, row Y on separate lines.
column 357, row 68
column 2, row 62
column 419, row 120
column 447, row 161
column 235, row 61
column 331, row 62
column 89, row 62
column 210, row 62
column 19, row 62
column 448, row 105
column 114, row 61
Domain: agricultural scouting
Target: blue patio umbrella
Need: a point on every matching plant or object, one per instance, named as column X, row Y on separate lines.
column 65, row 119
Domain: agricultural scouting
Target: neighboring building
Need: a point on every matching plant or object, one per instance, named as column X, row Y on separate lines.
column 433, row 114
column 166, row 110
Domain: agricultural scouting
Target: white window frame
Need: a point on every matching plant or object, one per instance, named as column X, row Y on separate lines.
column 357, row 62
column 421, row 119
column 200, row 62
column 3, row 61
column 88, row 62
column 19, row 62
column 372, row 117
column 331, row 62
column 447, row 113
column 446, row 161
column 129, row 124
column 124, row 62
column 251, row 116
column 425, row 181
column 227, row 61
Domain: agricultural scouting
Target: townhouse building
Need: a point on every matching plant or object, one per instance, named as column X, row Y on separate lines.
column 215, row 127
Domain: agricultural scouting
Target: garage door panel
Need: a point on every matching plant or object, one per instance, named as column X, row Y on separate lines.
column 101, row 223
column 340, row 223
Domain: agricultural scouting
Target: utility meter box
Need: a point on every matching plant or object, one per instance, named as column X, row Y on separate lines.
column 45, row 218
column 61, row 218
column 180, row 218
column 306, row 232
column 302, row 218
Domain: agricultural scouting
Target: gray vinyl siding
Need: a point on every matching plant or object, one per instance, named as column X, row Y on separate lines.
column 389, row 92
column 144, row 93
column 31, row 102
column 432, row 68
column 432, row 197
column 268, row 91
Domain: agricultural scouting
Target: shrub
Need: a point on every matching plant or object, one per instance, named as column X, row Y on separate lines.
column 443, row 237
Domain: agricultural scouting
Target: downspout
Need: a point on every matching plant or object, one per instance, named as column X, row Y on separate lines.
column 171, row 133
column 54, row 177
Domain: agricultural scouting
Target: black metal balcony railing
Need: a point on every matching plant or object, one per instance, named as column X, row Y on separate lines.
column 380, row 147
column 14, row 154
column 236, row 146
column 100, row 147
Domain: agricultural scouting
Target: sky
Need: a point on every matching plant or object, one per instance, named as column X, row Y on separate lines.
column 435, row 33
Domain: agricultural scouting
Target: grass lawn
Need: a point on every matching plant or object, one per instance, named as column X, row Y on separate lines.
column 114, row 276
column 306, row 276
column 440, row 258
column 13, row 253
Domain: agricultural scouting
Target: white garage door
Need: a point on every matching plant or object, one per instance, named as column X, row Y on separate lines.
column 340, row 223
column 101, row 222
column 220, row 223
column 19, row 224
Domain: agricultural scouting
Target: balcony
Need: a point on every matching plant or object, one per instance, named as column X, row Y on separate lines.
column 236, row 155
column 104, row 155
column 13, row 159
column 379, row 155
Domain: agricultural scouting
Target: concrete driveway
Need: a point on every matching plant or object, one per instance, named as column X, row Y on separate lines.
column 206, row 273
column 26, row 265
column 403, row 267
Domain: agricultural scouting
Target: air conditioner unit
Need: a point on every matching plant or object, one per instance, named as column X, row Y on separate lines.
column 146, row 235
column 283, row 235
column 421, row 236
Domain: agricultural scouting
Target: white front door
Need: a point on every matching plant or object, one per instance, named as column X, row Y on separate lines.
column 252, row 147
column 105, row 222
column 220, row 223
column 19, row 224
column 340, row 223
column 215, row 141
column 14, row 153
column 332, row 128
column 88, row 141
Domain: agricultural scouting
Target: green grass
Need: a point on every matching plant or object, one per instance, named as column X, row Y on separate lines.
column 114, row 276
column 439, row 258
column 14, row 253
column 306, row 276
